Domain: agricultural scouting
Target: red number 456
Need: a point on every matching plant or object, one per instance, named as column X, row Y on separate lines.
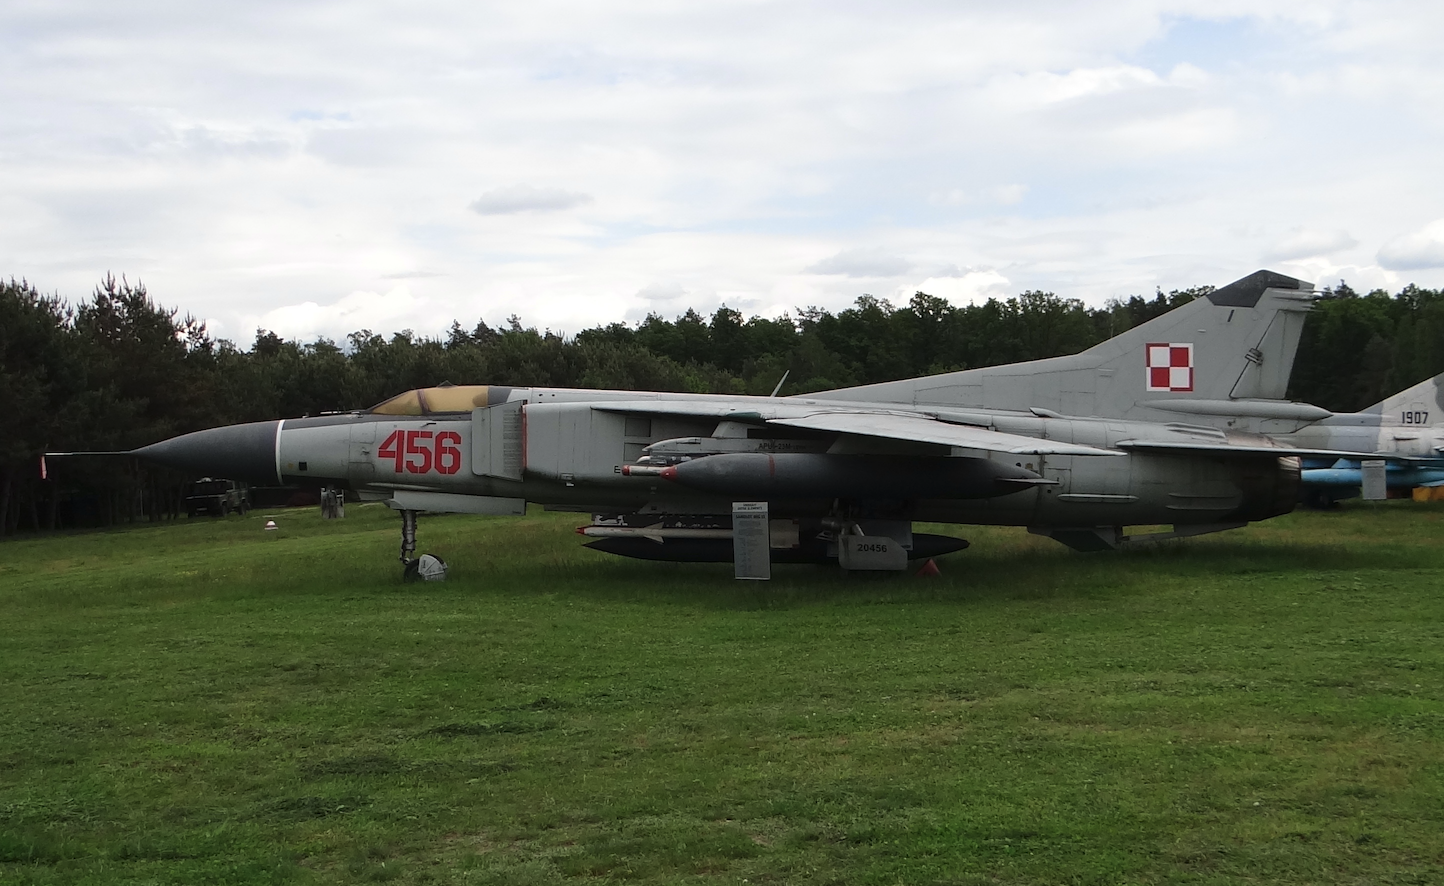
column 420, row 454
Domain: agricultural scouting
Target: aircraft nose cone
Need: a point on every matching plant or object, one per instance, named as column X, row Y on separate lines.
column 237, row 452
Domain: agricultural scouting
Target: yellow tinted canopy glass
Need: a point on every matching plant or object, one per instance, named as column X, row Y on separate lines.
column 450, row 398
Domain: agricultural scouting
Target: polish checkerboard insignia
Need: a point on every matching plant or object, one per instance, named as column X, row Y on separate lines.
column 1170, row 367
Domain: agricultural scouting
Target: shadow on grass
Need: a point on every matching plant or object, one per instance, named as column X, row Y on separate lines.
column 539, row 557
column 1021, row 568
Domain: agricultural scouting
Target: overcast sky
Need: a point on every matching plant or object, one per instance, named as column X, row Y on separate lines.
column 315, row 168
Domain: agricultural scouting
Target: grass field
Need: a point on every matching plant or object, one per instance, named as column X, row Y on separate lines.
column 210, row 703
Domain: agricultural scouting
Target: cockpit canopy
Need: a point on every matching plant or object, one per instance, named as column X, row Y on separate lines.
column 447, row 398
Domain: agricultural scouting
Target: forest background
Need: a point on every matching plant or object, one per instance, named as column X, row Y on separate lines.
column 118, row 371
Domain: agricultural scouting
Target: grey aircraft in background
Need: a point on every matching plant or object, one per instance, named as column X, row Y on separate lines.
column 1405, row 431
column 1167, row 423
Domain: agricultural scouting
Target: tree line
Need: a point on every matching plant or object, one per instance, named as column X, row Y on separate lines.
column 118, row 371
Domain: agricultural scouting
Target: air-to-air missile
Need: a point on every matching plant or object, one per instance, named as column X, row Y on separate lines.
column 1160, row 425
column 1348, row 474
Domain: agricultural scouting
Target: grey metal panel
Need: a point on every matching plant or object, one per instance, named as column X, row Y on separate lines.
column 961, row 394
column 1266, row 368
column 362, row 463
column 602, row 444
column 454, row 503
column 497, row 440
column 320, row 453
column 1076, row 402
column 1008, row 391
column 576, row 443
column 508, row 439
column 926, row 430
column 1075, row 393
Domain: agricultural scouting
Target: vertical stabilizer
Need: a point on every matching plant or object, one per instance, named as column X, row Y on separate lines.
column 1419, row 406
column 1218, row 357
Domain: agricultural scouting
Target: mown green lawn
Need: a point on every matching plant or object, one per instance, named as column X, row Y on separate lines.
column 210, row 703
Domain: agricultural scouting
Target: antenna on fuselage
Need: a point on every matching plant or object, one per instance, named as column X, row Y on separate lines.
column 780, row 383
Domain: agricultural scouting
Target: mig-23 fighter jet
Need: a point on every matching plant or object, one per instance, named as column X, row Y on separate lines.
column 1159, row 425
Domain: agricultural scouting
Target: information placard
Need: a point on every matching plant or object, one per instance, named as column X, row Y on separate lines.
column 751, row 541
column 1375, row 489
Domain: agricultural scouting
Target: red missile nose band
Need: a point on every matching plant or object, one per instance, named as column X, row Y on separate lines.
column 669, row 473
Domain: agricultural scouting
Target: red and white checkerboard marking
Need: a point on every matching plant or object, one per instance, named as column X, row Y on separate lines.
column 1170, row 367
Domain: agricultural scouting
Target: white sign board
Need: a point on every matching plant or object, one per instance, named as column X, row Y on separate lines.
column 1375, row 488
column 871, row 552
column 751, row 541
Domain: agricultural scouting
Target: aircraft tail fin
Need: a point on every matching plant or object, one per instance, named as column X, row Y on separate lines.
column 1226, row 354
column 1236, row 343
column 1420, row 405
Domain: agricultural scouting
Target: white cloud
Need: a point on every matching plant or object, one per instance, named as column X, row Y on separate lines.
column 668, row 299
column 356, row 311
column 1306, row 243
column 411, row 275
column 965, row 289
column 283, row 160
column 862, row 261
column 998, row 195
column 525, row 198
column 1042, row 88
column 1419, row 250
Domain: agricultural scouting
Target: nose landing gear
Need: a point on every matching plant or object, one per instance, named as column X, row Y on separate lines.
column 408, row 536
column 427, row 567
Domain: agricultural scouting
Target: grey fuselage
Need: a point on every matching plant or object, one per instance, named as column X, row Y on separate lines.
column 566, row 449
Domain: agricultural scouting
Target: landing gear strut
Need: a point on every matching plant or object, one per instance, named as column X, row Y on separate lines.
column 408, row 537
column 427, row 567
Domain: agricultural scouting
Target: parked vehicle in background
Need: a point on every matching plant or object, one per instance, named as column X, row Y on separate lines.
column 218, row 497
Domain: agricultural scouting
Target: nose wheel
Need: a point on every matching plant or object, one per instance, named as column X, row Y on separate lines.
column 427, row 567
